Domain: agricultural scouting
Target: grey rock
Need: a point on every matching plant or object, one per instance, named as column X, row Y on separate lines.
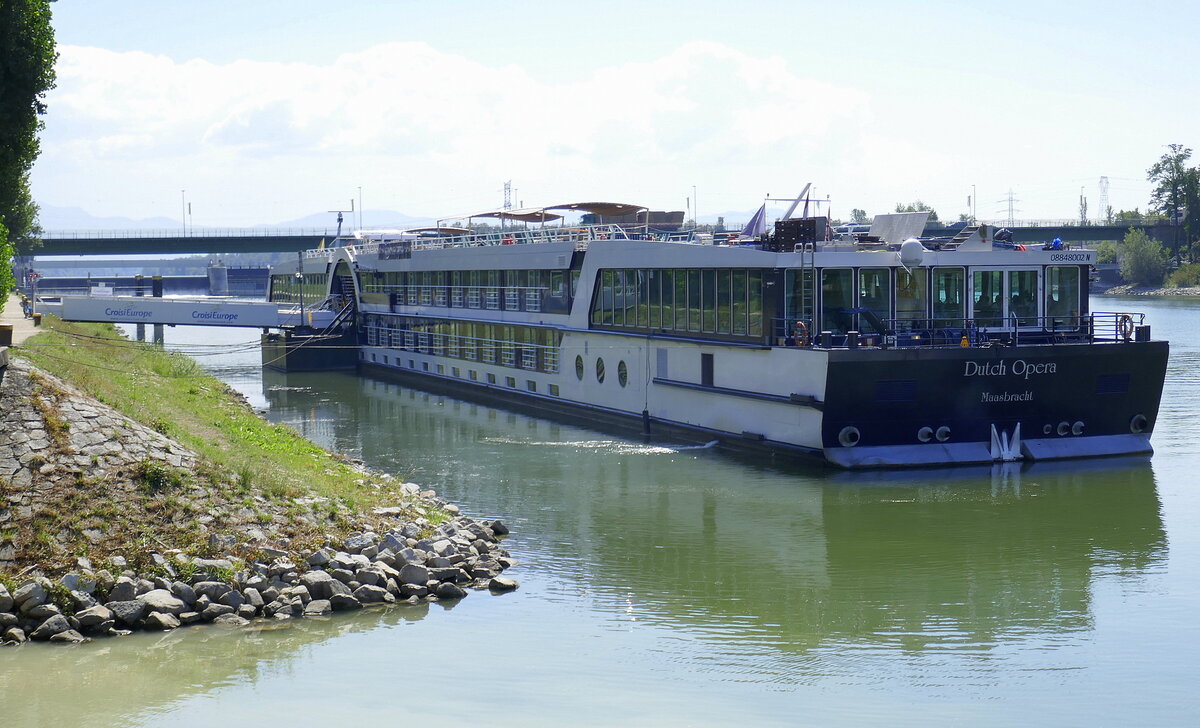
column 343, row 602
column 213, row 564
column 118, row 562
column 69, row 636
column 93, row 616
column 6, row 600
column 343, row 575
column 189, row 618
column 233, row 598
column 503, row 584
column 318, row 607
column 231, row 620
column 212, row 611
column 269, row 594
column 30, row 591
column 43, row 611
column 7, row 620
column 358, row 561
column 369, row 594
column 406, row 555
column 161, row 600
column 247, row 611
column 498, row 528
column 79, row 582
column 51, row 627
column 408, row 591
column 82, row 599
column 222, row 541
column 438, row 562
column 449, row 590
column 392, row 542
column 144, row 586
column 318, row 583
column 370, row 552
column 414, row 574
column 444, row 547
column 372, row 577
column 15, row 635
column 253, row 597
column 281, row 616
column 128, row 612
column 356, row 543
column 161, row 621
column 337, row 587
column 123, row 590
column 320, row 557
column 184, row 592
column 214, row 590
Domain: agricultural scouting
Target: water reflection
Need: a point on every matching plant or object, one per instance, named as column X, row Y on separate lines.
column 133, row 679
column 793, row 559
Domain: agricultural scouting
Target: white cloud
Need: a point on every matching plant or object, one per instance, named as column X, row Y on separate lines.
column 429, row 132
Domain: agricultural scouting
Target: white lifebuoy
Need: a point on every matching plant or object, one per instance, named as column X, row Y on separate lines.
column 1125, row 325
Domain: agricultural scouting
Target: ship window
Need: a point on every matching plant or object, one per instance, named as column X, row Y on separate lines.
column 1023, row 297
column 987, row 297
column 1062, row 296
column 706, row 370
column 622, row 373
column 632, row 289
column 531, row 385
column 740, row 320
column 755, row 294
column 724, row 294
column 473, row 374
column 600, row 370
column 708, row 310
column 837, row 298
column 579, row 367
column 654, row 298
column 875, row 294
column 457, row 373
column 693, row 300
column 669, row 297
column 553, row 390
column 510, row 381
column 949, row 295
column 910, row 293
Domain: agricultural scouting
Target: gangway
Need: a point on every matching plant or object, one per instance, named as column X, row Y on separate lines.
column 196, row 311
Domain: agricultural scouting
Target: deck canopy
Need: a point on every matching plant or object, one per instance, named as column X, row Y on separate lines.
column 440, row 230
column 606, row 209
column 526, row 214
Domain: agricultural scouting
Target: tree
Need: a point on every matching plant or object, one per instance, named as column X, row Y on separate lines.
column 859, row 216
column 1176, row 190
column 1143, row 260
column 918, row 206
column 26, row 73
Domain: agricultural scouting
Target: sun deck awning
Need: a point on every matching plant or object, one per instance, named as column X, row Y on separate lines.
column 440, row 230
column 607, row 209
column 526, row 214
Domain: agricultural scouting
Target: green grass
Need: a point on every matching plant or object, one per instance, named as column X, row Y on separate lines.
column 169, row 393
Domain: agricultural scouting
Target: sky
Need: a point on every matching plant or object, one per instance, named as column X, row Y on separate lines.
column 266, row 111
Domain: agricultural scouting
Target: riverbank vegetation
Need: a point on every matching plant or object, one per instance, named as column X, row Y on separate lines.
column 262, row 482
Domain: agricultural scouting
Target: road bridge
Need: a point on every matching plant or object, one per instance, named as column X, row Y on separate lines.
column 194, row 242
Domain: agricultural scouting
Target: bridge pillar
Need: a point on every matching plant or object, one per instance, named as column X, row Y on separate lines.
column 218, row 280
column 139, row 289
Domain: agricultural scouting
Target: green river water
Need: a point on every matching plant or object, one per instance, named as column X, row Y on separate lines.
column 666, row 586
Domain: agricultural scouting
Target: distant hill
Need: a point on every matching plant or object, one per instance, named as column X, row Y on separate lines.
column 76, row 218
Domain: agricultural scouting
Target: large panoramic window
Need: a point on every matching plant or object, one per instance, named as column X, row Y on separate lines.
column 875, row 293
column 837, row 298
column 911, row 289
column 712, row 302
column 949, row 296
column 533, row 348
column 1023, row 297
column 987, row 297
column 1062, row 296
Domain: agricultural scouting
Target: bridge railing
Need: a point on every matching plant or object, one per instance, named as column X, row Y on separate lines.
column 180, row 233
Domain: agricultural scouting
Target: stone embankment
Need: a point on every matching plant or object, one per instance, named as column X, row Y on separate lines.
column 1131, row 290
column 368, row 570
column 109, row 526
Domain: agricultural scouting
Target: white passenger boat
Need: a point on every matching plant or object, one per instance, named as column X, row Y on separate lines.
column 874, row 350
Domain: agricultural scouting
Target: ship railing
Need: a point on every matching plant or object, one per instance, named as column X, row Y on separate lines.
column 856, row 328
column 580, row 235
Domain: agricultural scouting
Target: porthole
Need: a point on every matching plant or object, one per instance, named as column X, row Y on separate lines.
column 579, row 368
column 1138, row 424
column 599, row 370
column 622, row 373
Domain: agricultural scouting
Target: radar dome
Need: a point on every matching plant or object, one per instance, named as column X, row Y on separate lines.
column 911, row 253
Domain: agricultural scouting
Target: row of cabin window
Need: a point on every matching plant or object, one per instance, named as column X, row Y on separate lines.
column 467, row 289
column 937, row 296
column 534, row 348
column 286, row 289
column 689, row 300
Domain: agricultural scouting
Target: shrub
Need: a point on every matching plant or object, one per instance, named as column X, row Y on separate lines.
column 1143, row 260
column 1186, row 276
column 1106, row 252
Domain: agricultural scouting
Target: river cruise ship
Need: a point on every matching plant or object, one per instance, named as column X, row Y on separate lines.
column 862, row 350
